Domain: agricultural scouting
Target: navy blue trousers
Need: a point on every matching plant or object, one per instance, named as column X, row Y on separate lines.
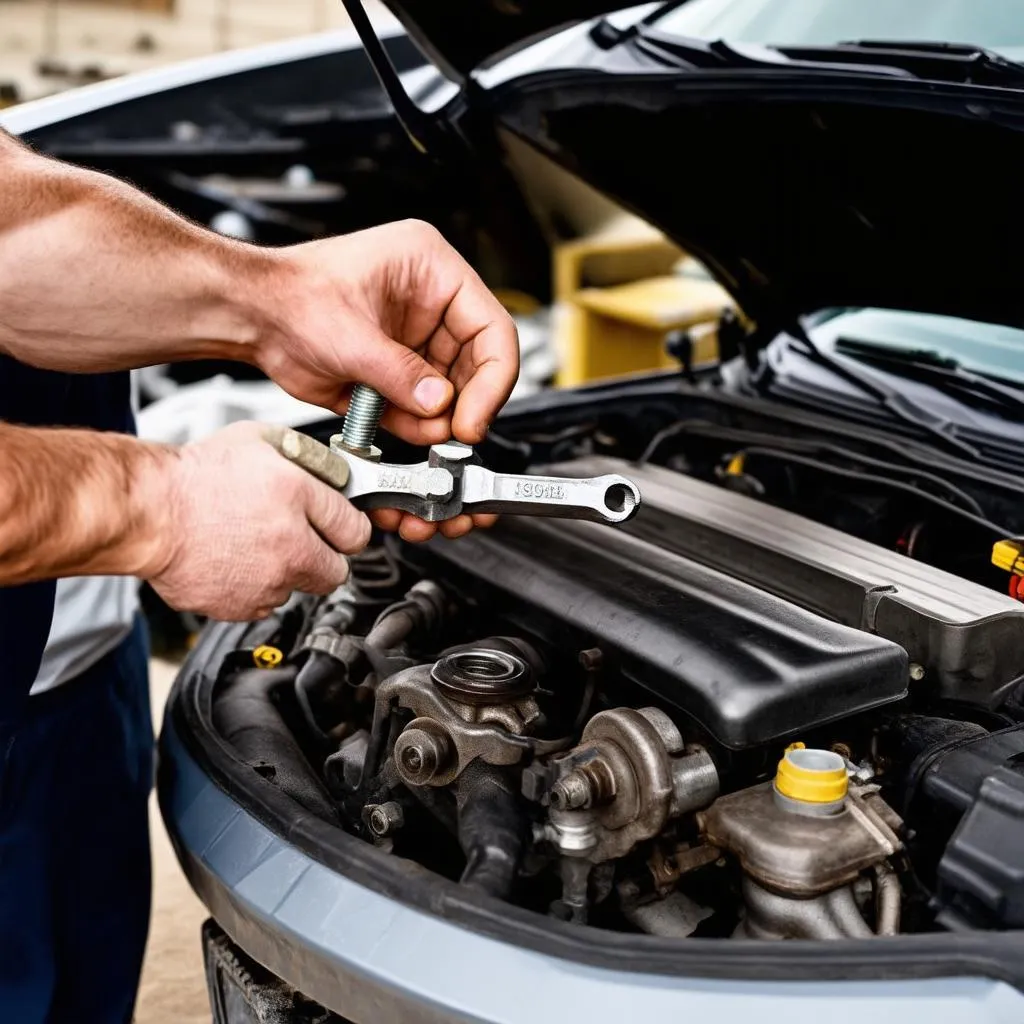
column 74, row 847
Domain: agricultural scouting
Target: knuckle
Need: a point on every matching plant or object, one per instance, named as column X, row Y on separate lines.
column 420, row 230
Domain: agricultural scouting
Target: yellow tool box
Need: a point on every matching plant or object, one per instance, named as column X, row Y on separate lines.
column 619, row 293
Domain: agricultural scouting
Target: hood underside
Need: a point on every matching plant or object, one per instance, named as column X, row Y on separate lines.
column 802, row 186
column 459, row 35
column 804, row 195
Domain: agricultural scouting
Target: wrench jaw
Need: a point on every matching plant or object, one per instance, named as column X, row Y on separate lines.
column 425, row 490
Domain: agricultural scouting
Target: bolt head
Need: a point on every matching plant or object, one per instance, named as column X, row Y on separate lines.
column 422, row 754
column 383, row 819
column 570, row 792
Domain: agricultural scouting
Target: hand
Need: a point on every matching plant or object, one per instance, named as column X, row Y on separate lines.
column 397, row 308
column 245, row 528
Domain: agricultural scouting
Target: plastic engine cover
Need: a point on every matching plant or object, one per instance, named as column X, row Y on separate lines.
column 970, row 640
column 750, row 667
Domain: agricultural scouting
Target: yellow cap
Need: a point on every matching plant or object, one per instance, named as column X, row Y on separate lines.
column 1009, row 555
column 811, row 776
column 735, row 467
column 266, row 656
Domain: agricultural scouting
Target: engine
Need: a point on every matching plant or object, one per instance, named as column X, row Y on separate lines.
column 723, row 720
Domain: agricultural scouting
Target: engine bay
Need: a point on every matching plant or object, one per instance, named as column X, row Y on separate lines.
column 729, row 718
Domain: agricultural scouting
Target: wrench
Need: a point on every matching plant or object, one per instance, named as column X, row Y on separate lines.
column 452, row 481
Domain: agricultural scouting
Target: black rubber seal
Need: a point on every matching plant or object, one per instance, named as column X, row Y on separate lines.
column 995, row 955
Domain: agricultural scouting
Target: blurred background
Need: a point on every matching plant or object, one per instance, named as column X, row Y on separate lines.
column 47, row 46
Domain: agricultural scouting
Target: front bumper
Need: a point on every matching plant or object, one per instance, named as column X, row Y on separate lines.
column 371, row 958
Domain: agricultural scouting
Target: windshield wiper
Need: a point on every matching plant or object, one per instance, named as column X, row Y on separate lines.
column 940, row 430
column 946, row 62
column 941, row 372
column 966, row 63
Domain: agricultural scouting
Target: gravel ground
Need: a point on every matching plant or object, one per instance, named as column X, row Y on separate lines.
column 173, row 985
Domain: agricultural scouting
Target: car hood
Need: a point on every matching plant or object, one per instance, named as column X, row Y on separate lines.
column 801, row 185
column 459, row 35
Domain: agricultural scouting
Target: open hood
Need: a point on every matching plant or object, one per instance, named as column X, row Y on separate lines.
column 798, row 194
column 871, row 174
column 459, row 35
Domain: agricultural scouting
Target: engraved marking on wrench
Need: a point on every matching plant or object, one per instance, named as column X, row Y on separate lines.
column 542, row 491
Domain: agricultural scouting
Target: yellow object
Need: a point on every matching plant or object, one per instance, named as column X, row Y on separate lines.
column 618, row 292
column 811, row 776
column 735, row 468
column 517, row 302
column 1009, row 555
column 266, row 656
column 622, row 329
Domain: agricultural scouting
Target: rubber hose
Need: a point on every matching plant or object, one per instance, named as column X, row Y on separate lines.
column 491, row 829
column 246, row 717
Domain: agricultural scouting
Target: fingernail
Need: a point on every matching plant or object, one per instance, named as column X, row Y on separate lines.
column 430, row 394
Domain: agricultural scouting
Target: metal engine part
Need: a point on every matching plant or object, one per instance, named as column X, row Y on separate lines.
column 801, row 871
column 474, row 703
column 799, row 856
column 835, row 915
column 629, row 774
column 674, row 916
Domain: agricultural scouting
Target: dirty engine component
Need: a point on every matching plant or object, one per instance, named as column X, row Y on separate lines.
column 721, row 721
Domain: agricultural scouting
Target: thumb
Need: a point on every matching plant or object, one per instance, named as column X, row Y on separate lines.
column 402, row 376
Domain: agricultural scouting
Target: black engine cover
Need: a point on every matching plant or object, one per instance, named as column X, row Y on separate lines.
column 751, row 668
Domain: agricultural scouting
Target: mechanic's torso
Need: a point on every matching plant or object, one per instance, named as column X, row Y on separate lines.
column 34, row 397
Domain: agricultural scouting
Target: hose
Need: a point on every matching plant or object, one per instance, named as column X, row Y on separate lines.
column 887, row 901
column 323, row 677
column 421, row 609
column 246, row 717
column 491, row 829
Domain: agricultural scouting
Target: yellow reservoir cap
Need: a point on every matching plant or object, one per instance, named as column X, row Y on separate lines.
column 1009, row 555
column 266, row 656
column 811, row 776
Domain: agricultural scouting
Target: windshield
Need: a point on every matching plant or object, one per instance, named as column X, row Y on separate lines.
column 985, row 348
column 995, row 24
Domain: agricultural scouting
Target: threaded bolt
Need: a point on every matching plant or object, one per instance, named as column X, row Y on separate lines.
column 570, row 792
column 361, row 420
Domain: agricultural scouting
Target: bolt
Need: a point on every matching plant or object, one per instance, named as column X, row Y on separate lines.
column 590, row 784
column 422, row 754
column 364, row 412
column 383, row 819
column 571, row 791
column 591, row 659
column 916, row 671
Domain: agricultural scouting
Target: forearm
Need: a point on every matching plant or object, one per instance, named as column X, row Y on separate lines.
column 95, row 275
column 76, row 502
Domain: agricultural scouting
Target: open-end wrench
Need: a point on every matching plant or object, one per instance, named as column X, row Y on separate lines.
column 452, row 481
